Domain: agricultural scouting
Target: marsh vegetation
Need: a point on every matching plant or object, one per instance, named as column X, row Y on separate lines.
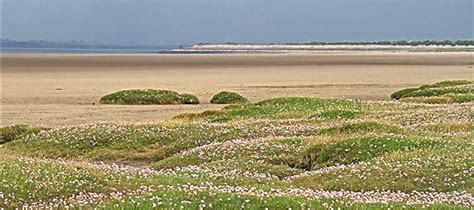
column 291, row 152
column 456, row 91
column 147, row 97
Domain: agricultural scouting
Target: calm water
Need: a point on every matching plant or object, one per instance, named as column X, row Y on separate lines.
column 83, row 50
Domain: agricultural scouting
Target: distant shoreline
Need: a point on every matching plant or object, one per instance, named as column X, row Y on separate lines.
column 244, row 49
column 311, row 48
column 78, row 47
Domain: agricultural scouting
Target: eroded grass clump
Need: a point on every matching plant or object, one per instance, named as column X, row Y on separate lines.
column 147, row 97
column 226, row 97
column 443, row 99
column 456, row 91
column 423, row 169
column 13, row 132
column 353, row 150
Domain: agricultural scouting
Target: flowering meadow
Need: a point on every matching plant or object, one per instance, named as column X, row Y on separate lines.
column 284, row 153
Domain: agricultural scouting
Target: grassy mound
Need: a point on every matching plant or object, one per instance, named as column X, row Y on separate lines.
column 456, row 91
column 353, row 150
column 148, row 96
column 283, row 108
column 401, row 170
column 226, row 97
column 13, row 132
column 443, row 99
column 189, row 98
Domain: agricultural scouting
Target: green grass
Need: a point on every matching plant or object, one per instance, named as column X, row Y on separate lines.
column 282, row 108
column 13, row 132
column 439, row 91
column 30, row 181
column 455, row 91
column 399, row 94
column 227, row 158
column 54, row 182
column 362, row 127
column 226, row 97
column 189, row 98
column 147, row 97
column 448, row 83
column 353, row 150
column 230, row 201
column 443, row 99
column 421, row 170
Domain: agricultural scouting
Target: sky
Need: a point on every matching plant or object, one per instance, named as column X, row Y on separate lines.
column 163, row 22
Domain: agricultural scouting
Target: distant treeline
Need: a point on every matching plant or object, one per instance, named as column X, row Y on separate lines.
column 8, row 43
column 468, row 42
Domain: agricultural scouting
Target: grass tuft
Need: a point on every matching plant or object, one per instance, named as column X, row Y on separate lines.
column 147, row 97
column 359, row 149
column 189, row 98
column 226, row 97
column 13, row 132
column 284, row 108
column 399, row 94
column 451, row 91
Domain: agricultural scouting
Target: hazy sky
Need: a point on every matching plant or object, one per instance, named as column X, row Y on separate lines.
column 192, row 21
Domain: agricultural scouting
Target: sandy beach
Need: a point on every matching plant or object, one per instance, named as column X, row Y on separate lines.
column 63, row 89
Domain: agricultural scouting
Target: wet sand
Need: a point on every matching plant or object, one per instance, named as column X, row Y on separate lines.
column 63, row 89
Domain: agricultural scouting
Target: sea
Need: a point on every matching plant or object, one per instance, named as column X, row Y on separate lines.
column 86, row 50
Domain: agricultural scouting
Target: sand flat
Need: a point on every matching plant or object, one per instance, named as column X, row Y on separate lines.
column 60, row 89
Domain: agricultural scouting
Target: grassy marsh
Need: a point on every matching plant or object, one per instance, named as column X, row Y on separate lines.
column 289, row 152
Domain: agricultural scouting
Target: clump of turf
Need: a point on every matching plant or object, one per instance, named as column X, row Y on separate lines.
column 283, row 108
column 455, row 91
column 226, row 97
column 358, row 149
column 189, row 98
column 399, row 94
column 148, row 96
column 11, row 133
column 444, row 99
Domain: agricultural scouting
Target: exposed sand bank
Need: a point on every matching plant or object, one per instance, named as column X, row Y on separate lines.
column 59, row 89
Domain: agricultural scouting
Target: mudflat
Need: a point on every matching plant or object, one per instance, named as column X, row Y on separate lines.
column 64, row 89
